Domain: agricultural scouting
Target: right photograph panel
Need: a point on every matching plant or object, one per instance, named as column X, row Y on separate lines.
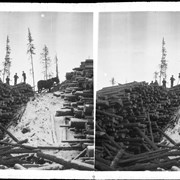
column 138, row 92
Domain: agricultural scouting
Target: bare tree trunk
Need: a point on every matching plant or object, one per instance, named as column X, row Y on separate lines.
column 33, row 72
column 57, row 67
column 46, row 67
column 3, row 74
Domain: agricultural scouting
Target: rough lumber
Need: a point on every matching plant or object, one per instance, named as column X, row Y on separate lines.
column 82, row 153
column 20, row 167
column 64, row 148
column 48, row 167
column 67, row 164
column 12, row 136
column 146, row 138
column 109, row 114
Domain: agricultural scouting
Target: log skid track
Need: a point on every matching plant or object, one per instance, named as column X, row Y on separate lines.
column 52, row 131
column 42, row 126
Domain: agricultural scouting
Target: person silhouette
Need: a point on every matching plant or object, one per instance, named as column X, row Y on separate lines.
column 7, row 80
column 172, row 79
column 15, row 79
column 24, row 76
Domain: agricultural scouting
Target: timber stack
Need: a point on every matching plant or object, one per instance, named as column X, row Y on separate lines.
column 78, row 109
column 12, row 100
column 130, row 123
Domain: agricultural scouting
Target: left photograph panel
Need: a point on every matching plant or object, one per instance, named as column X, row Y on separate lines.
column 46, row 85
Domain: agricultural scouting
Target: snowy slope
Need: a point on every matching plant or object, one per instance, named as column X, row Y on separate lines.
column 39, row 122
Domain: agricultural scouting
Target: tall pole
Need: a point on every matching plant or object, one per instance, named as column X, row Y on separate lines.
column 46, row 65
column 32, row 72
column 57, row 66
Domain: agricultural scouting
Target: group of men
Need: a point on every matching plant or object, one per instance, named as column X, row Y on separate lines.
column 172, row 79
column 16, row 78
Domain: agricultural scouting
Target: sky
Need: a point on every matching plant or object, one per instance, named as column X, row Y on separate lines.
column 130, row 46
column 69, row 35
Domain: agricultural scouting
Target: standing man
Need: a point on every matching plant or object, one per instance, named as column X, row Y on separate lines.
column 7, row 80
column 15, row 79
column 151, row 84
column 164, row 82
column 24, row 76
column 172, row 81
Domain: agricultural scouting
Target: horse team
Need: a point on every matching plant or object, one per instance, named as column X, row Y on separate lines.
column 47, row 84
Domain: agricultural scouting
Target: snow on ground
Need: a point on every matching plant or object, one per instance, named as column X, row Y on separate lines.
column 174, row 132
column 43, row 129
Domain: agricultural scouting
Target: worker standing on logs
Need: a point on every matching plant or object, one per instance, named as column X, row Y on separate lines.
column 151, row 84
column 7, row 80
column 155, row 83
column 164, row 83
column 172, row 79
column 15, row 79
column 24, row 76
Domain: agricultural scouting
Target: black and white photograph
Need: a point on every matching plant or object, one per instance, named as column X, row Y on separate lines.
column 46, row 91
column 138, row 88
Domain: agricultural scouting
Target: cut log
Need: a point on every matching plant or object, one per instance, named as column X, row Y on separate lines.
column 109, row 138
column 78, row 123
column 166, row 136
column 88, row 109
column 154, row 166
column 90, row 151
column 64, row 112
column 146, row 138
column 67, row 164
column 79, row 141
column 109, row 114
column 82, row 153
column 32, row 165
column 23, row 141
column 103, row 103
column 78, row 113
column 12, row 136
column 20, row 167
column 19, row 145
column 175, row 168
column 57, row 94
column 150, row 127
column 103, row 167
column 48, row 167
column 89, row 161
column 17, row 151
column 116, row 159
column 64, row 148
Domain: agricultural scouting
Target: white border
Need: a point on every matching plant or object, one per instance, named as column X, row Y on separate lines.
column 97, row 7
column 90, row 7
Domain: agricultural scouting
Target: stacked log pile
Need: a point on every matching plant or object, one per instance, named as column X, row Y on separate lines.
column 78, row 110
column 130, row 120
column 12, row 99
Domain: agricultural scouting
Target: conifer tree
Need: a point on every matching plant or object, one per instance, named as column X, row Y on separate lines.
column 46, row 61
column 163, row 65
column 7, row 61
column 31, row 52
column 155, row 75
